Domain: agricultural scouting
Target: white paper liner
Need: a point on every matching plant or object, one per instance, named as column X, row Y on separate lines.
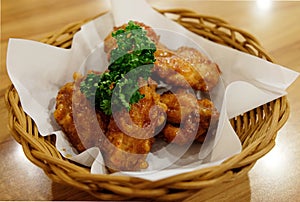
column 38, row 70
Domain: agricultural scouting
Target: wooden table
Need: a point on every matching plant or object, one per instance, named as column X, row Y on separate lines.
column 275, row 177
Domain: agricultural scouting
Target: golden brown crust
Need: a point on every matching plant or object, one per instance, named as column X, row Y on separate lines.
column 176, row 71
column 132, row 133
column 194, row 116
column 72, row 110
column 208, row 70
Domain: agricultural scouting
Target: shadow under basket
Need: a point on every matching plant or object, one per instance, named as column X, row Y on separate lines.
column 257, row 129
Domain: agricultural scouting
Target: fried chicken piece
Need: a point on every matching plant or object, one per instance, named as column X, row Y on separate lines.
column 186, row 67
column 176, row 71
column 209, row 70
column 83, row 126
column 194, row 116
column 110, row 42
column 131, row 134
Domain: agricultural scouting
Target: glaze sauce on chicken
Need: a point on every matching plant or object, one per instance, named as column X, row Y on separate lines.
column 125, row 134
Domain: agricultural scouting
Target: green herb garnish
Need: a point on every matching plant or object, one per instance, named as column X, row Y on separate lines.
column 134, row 54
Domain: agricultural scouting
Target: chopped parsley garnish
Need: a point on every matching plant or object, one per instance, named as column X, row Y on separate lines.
column 134, row 54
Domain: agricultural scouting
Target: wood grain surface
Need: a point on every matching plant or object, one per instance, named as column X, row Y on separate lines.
column 275, row 177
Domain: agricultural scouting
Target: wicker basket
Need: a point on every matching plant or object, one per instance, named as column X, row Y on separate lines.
column 256, row 129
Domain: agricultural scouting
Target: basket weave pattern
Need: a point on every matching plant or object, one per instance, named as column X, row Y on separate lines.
column 256, row 129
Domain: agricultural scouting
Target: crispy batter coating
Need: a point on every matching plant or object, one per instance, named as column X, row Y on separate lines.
column 194, row 116
column 132, row 134
column 72, row 110
column 209, row 70
column 186, row 67
column 176, row 71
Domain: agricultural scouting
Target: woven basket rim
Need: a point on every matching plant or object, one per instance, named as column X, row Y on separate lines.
column 256, row 129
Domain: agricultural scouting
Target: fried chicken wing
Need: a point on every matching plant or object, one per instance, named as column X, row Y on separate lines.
column 131, row 135
column 194, row 116
column 72, row 110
